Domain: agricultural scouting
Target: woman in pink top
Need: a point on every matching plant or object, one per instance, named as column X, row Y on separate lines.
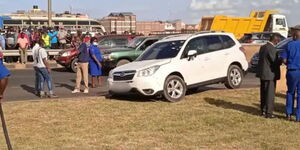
column 23, row 46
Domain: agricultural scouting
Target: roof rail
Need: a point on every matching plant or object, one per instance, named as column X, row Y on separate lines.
column 204, row 32
column 173, row 36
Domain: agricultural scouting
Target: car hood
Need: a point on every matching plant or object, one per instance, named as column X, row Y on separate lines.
column 140, row 65
column 119, row 49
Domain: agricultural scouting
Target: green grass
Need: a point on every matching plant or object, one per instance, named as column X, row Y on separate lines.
column 208, row 120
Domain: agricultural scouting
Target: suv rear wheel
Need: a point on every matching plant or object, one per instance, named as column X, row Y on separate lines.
column 122, row 62
column 174, row 89
column 234, row 77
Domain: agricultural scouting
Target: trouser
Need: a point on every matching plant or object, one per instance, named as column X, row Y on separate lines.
column 37, row 80
column 63, row 45
column 293, row 83
column 82, row 72
column 23, row 55
column 267, row 96
column 54, row 45
column 45, row 77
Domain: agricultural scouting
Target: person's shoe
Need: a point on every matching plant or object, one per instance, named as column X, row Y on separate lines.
column 75, row 91
column 42, row 95
column 289, row 117
column 86, row 91
column 271, row 116
column 263, row 113
column 52, row 96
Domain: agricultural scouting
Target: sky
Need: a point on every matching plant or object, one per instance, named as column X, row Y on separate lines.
column 190, row 11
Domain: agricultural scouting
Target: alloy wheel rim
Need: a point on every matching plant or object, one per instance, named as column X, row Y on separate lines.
column 175, row 89
column 235, row 77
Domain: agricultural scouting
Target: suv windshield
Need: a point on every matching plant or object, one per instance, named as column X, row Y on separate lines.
column 136, row 42
column 162, row 50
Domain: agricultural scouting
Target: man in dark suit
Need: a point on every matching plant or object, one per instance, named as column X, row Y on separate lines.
column 268, row 72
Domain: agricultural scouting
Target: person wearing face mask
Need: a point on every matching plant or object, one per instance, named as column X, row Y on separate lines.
column 95, row 63
column 82, row 67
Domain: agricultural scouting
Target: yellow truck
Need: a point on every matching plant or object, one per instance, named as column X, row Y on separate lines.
column 258, row 21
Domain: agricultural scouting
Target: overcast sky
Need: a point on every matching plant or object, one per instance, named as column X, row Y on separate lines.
column 190, row 11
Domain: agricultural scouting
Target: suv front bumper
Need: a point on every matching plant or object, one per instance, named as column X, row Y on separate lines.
column 147, row 86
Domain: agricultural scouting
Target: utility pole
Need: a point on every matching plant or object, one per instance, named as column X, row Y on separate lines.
column 49, row 13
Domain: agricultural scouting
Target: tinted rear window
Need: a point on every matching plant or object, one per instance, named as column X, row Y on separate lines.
column 227, row 41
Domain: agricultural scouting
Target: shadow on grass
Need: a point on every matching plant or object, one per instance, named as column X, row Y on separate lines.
column 132, row 98
column 229, row 105
column 280, row 95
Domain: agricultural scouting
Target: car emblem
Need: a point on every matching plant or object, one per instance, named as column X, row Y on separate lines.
column 122, row 74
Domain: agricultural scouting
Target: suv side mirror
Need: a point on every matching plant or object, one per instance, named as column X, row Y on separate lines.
column 192, row 53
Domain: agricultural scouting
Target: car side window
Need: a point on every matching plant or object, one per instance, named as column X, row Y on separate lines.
column 147, row 44
column 227, row 41
column 214, row 43
column 106, row 42
column 199, row 44
column 121, row 41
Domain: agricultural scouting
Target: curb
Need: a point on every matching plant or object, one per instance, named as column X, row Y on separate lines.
column 16, row 66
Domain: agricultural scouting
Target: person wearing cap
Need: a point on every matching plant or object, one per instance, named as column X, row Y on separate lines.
column 83, row 67
column 62, row 36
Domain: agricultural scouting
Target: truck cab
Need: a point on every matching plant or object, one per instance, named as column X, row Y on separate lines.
column 278, row 24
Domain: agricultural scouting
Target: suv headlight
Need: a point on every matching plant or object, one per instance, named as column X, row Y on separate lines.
column 148, row 72
column 66, row 54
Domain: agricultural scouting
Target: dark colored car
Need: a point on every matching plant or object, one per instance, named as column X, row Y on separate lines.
column 254, row 60
column 122, row 55
column 258, row 38
column 68, row 58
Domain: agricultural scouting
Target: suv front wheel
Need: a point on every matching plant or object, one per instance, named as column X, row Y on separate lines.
column 234, row 77
column 174, row 89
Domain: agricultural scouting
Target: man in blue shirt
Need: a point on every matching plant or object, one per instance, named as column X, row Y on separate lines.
column 291, row 57
column 53, row 38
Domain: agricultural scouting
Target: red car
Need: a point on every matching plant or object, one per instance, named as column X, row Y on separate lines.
column 68, row 58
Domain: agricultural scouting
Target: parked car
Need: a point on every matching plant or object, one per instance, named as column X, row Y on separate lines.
column 254, row 60
column 175, row 64
column 258, row 38
column 122, row 55
column 68, row 58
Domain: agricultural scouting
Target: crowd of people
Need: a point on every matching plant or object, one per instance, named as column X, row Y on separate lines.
column 89, row 63
column 25, row 39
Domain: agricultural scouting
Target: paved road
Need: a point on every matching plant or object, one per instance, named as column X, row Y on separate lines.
column 21, row 85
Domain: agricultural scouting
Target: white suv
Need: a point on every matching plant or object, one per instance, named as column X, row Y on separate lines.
column 177, row 63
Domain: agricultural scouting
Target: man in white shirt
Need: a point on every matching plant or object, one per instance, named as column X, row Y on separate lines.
column 42, row 70
column 62, row 36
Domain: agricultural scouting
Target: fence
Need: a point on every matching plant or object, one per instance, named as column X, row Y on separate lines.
column 51, row 52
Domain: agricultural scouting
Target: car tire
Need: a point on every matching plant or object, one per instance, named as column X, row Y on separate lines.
column 74, row 64
column 234, row 77
column 122, row 62
column 174, row 89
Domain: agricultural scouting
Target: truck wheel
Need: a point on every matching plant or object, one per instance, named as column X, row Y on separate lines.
column 74, row 64
column 234, row 77
column 174, row 89
column 122, row 62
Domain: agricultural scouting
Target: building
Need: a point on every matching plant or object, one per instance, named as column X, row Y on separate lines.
column 167, row 27
column 149, row 27
column 119, row 23
column 39, row 18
